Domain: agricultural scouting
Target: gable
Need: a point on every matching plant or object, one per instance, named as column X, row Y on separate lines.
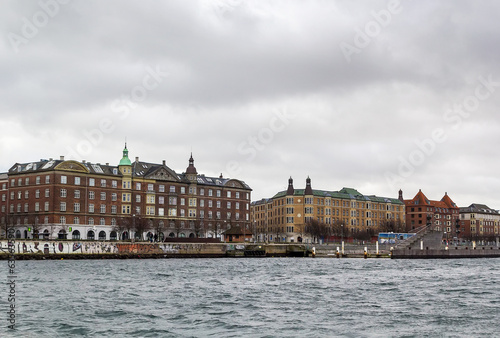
column 72, row 166
column 163, row 174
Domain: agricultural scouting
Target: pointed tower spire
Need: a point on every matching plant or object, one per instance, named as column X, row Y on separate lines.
column 400, row 195
column 191, row 168
column 308, row 190
column 290, row 189
column 125, row 160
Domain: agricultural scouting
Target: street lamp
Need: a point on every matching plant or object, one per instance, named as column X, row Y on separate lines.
column 457, row 225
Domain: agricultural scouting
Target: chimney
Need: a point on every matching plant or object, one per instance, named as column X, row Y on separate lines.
column 83, row 161
column 61, row 158
column 137, row 158
column 164, row 162
column 107, row 163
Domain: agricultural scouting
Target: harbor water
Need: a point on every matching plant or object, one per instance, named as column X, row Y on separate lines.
column 258, row 297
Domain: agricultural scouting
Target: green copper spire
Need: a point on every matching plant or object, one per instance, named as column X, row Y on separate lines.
column 125, row 160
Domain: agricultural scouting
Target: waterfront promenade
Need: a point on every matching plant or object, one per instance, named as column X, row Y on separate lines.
column 54, row 249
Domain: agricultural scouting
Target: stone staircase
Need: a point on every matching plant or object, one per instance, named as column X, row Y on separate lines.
column 432, row 239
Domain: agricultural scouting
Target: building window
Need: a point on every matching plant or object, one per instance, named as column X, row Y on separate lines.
column 77, row 193
column 77, row 180
column 229, row 205
column 46, row 206
column 218, row 193
column 125, row 209
column 113, row 221
column 192, row 190
column 202, row 191
column 91, row 208
column 172, row 212
column 64, row 192
column 37, row 180
column 103, row 208
column 237, row 194
column 114, row 196
column 114, row 184
column 228, row 194
column 47, row 179
column 192, row 212
column 138, row 186
column 150, row 210
column 150, row 199
column 161, row 200
column 37, row 206
column 172, row 188
column 218, row 204
column 76, row 207
column 172, row 200
column 64, row 179
column 103, row 183
column 192, row 202
column 161, row 188
column 91, row 182
column 183, row 201
column 91, row 195
column 26, row 194
column 102, row 221
column 91, row 221
column 161, row 212
column 151, row 187
column 183, row 190
column 138, row 198
column 103, row 196
column 113, row 209
column 210, row 193
column 63, row 206
column 63, row 220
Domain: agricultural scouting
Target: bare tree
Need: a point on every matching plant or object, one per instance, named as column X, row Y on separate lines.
column 123, row 224
column 141, row 225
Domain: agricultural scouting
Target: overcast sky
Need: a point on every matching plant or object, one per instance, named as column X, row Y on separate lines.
column 373, row 95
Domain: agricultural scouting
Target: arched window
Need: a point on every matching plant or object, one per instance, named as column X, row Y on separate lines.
column 102, row 235
column 61, row 235
column 125, row 236
column 191, row 235
column 182, row 235
column 90, row 235
column 76, row 234
column 46, row 234
column 112, row 235
column 171, row 235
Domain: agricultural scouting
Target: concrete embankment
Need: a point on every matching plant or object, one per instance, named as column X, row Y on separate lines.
column 53, row 249
column 452, row 252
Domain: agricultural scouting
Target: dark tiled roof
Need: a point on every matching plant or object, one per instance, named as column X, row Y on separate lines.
column 345, row 193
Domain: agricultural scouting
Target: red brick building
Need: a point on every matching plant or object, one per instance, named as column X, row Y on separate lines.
column 83, row 200
column 420, row 211
column 479, row 222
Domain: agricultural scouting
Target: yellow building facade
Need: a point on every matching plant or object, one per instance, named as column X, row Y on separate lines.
column 307, row 215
